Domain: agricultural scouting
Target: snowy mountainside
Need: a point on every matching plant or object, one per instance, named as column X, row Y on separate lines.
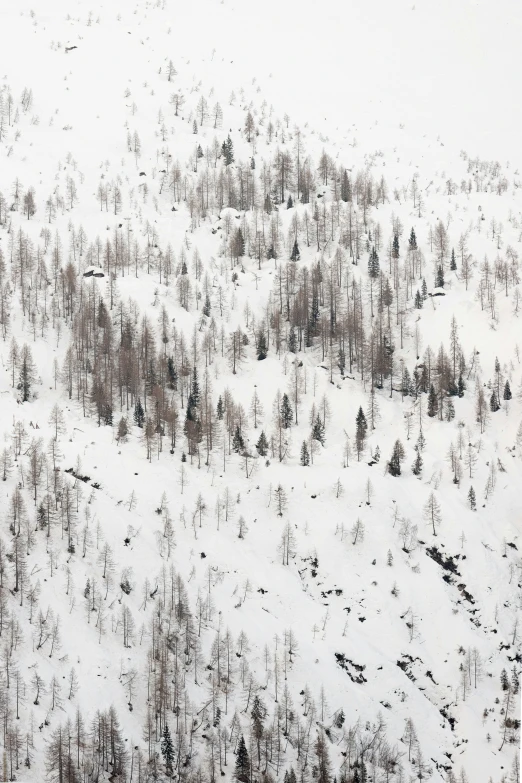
column 261, row 511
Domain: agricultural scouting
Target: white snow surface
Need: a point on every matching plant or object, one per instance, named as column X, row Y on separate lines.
column 404, row 88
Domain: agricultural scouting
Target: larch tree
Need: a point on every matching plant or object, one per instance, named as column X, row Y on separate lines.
column 432, row 512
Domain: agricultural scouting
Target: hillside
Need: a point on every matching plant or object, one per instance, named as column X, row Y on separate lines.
column 261, row 400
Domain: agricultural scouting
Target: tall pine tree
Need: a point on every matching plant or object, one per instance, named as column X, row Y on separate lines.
column 286, row 412
column 373, row 264
column 242, row 772
column 167, row 750
column 361, row 428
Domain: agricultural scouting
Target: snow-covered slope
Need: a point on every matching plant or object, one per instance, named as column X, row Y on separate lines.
column 189, row 201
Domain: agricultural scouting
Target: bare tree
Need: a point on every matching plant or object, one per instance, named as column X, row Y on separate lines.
column 432, row 512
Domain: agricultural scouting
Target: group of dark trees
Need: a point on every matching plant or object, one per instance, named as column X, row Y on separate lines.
column 119, row 361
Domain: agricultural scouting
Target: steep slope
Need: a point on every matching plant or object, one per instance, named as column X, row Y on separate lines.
column 159, row 566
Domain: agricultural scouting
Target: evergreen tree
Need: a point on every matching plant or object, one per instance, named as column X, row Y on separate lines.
column 314, row 311
column 418, row 300
column 194, row 127
column 242, row 773
column 237, row 246
column 361, row 428
column 172, row 374
column 238, row 443
column 240, row 243
column 413, row 240
column 262, row 348
column 193, row 398
column 262, row 445
column 373, row 264
column 194, row 391
column 27, row 373
column 433, row 403
column 394, row 465
column 296, row 255
column 167, row 750
column 439, row 277
column 453, row 388
column 286, row 412
column 507, row 391
column 395, row 246
column 228, row 151
column 461, row 386
column 453, row 262
column 416, row 468
column 318, row 430
column 494, row 404
column 289, row 203
column 346, row 190
column 305, row 456
column 207, row 306
column 406, row 382
column 424, row 290
column 220, row 409
column 139, row 413
column 504, row 681
column 472, row 499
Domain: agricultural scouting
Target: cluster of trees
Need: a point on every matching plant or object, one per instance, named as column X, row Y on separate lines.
column 349, row 307
column 76, row 752
column 118, row 360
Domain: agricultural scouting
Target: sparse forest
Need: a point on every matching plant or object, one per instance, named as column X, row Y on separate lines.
column 261, row 442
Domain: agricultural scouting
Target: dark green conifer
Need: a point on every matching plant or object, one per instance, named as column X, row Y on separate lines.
column 139, row 414
column 305, row 455
column 373, row 264
column 262, row 445
column 167, row 749
column 318, row 430
column 242, row 772
column 433, row 403
column 453, row 262
column 286, row 412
